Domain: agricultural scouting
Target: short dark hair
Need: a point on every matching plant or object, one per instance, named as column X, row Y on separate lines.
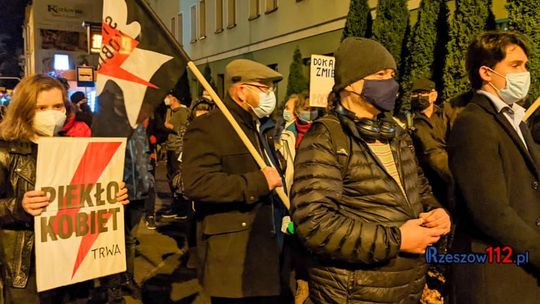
column 488, row 49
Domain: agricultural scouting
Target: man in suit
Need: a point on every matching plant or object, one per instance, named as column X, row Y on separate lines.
column 495, row 164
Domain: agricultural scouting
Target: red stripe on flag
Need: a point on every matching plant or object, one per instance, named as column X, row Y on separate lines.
column 95, row 159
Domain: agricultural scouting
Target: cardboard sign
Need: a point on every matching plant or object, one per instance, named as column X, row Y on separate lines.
column 321, row 80
column 80, row 236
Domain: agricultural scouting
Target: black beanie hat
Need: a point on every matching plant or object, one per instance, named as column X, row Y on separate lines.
column 77, row 96
column 357, row 58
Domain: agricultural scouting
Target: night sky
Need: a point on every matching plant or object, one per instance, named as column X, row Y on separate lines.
column 11, row 41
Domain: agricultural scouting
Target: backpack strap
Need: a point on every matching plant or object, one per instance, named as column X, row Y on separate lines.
column 340, row 140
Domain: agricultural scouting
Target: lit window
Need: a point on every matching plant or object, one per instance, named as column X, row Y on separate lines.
column 61, row 62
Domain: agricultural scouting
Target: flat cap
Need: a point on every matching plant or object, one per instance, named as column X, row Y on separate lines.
column 248, row 70
column 423, row 84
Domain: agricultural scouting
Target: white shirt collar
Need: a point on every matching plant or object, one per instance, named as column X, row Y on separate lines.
column 499, row 104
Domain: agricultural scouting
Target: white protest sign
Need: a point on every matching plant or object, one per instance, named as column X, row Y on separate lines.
column 321, row 80
column 80, row 236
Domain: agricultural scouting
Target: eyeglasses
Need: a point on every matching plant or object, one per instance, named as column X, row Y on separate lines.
column 263, row 88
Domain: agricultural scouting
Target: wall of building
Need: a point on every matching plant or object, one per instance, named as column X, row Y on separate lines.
column 55, row 27
column 271, row 37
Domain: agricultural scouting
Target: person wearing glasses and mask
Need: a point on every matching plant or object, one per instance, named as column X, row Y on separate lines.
column 495, row 164
column 430, row 132
column 238, row 215
column 359, row 199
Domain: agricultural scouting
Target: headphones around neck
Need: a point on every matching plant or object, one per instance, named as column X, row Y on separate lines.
column 370, row 129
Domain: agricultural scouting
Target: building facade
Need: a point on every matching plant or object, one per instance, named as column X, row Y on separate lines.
column 214, row 32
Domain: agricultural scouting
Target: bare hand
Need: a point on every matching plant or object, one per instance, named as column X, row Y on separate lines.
column 122, row 195
column 169, row 125
column 272, row 177
column 34, row 202
column 415, row 238
column 437, row 218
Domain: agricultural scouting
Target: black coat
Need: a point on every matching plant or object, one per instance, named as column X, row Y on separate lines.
column 17, row 176
column 238, row 240
column 351, row 222
column 498, row 204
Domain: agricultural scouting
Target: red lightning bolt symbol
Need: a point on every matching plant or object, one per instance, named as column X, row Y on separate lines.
column 117, row 47
column 95, row 159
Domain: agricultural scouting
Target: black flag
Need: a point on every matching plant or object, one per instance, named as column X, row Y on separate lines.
column 140, row 61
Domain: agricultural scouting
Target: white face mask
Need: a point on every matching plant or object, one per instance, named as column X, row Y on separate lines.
column 49, row 123
column 517, row 86
column 267, row 104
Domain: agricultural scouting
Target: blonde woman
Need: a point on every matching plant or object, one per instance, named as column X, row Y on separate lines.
column 37, row 109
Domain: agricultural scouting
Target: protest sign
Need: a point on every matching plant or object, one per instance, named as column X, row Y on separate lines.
column 80, row 235
column 321, row 80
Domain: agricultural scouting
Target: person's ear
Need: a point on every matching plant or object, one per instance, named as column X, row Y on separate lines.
column 485, row 73
column 433, row 96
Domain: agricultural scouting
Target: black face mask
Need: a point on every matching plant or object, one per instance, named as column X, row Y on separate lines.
column 85, row 108
column 420, row 103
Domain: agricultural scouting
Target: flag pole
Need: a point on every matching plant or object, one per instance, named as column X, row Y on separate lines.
column 531, row 109
column 219, row 103
column 280, row 192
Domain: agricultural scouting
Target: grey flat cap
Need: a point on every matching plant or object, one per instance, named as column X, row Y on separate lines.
column 241, row 70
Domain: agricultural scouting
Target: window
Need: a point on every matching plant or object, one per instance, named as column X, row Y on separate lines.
column 193, row 24
column 219, row 16
column 231, row 13
column 202, row 19
column 271, row 6
column 180, row 36
column 253, row 9
column 61, row 62
column 173, row 26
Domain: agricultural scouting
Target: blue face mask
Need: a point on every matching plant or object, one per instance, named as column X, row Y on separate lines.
column 381, row 93
column 517, row 86
column 287, row 115
column 267, row 104
column 308, row 116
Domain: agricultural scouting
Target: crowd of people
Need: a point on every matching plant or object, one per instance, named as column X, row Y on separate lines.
column 369, row 192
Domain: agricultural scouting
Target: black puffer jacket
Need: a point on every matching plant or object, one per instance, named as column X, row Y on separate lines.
column 351, row 223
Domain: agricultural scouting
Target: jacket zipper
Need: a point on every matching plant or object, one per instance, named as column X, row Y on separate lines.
column 402, row 177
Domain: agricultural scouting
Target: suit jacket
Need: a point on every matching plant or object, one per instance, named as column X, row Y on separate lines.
column 498, row 203
column 238, row 218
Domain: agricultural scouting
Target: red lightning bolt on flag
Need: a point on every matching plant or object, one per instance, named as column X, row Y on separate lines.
column 117, row 47
column 95, row 159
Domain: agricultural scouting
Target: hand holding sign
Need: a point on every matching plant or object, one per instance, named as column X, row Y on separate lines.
column 34, row 202
column 122, row 195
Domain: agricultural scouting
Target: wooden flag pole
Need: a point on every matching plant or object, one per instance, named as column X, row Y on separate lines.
column 260, row 162
column 531, row 109
column 215, row 97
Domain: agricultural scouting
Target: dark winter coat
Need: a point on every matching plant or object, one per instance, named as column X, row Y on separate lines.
column 429, row 136
column 498, row 201
column 237, row 223
column 137, row 166
column 351, row 221
column 17, row 176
